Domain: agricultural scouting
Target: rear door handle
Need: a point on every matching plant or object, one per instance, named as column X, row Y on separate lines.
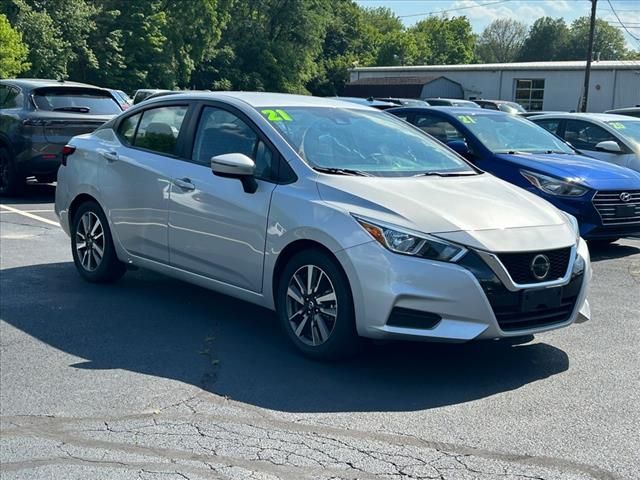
column 110, row 156
column 185, row 184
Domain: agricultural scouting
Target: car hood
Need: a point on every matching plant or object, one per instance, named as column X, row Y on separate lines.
column 595, row 174
column 480, row 211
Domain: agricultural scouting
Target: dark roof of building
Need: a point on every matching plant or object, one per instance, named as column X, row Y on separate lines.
column 393, row 87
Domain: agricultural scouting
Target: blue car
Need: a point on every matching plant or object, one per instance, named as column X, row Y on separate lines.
column 605, row 198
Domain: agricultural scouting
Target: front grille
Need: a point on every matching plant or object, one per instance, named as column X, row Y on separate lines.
column 614, row 211
column 519, row 265
column 510, row 308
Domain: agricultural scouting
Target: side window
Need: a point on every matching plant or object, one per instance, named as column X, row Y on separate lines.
column 159, row 129
column 220, row 132
column 549, row 125
column 127, row 128
column 403, row 116
column 584, row 135
column 489, row 106
column 9, row 97
column 438, row 128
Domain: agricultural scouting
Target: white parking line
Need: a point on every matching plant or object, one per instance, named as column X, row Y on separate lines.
column 29, row 215
column 29, row 211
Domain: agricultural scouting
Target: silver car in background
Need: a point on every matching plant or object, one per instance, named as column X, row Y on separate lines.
column 607, row 137
column 347, row 221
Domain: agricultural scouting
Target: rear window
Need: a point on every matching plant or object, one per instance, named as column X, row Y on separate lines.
column 88, row 101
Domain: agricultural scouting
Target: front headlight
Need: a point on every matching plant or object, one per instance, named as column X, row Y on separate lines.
column 407, row 243
column 554, row 186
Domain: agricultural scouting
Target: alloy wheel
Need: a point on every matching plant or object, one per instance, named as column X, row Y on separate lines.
column 312, row 307
column 90, row 241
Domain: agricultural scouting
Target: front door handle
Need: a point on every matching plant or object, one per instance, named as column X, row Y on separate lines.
column 185, row 184
column 110, row 156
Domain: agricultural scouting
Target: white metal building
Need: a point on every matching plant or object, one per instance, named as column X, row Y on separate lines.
column 535, row 85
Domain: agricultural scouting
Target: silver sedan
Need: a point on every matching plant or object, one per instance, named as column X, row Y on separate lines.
column 347, row 221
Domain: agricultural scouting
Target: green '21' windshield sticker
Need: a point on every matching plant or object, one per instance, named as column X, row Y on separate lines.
column 277, row 115
column 466, row 119
column 617, row 125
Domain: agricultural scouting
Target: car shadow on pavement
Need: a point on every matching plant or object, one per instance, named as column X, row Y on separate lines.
column 33, row 193
column 154, row 325
column 612, row 251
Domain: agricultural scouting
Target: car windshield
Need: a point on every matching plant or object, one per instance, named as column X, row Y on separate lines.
column 503, row 133
column 363, row 142
column 629, row 129
column 76, row 101
column 511, row 107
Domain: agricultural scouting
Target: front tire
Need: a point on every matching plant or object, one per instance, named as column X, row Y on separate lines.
column 315, row 307
column 92, row 246
column 11, row 182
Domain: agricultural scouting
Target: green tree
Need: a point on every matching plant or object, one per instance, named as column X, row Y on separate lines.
column 547, row 41
column 13, row 52
column 442, row 40
column 270, row 45
column 398, row 48
column 48, row 50
column 383, row 20
column 501, row 41
column 608, row 42
column 351, row 39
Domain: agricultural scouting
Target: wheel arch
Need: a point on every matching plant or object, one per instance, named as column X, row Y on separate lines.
column 79, row 200
column 292, row 249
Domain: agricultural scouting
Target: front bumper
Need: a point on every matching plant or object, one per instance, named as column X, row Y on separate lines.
column 383, row 282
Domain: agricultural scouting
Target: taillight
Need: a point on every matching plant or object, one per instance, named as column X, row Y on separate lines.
column 66, row 151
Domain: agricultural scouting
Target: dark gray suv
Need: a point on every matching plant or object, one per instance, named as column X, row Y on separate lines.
column 37, row 119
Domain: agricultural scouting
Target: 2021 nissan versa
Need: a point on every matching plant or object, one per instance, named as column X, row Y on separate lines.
column 347, row 221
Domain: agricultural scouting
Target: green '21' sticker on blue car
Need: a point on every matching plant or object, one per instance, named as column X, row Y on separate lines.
column 467, row 119
column 617, row 125
column 277, row 115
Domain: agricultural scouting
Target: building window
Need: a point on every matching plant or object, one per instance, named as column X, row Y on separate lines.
column 530, row 94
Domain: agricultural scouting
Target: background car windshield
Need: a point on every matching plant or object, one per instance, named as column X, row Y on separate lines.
column 628, row 129
column 72, row 100
column 511, row 107
column 507, row 133
column 368, row 141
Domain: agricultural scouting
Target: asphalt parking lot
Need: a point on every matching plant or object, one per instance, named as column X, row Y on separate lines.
column 151, row 378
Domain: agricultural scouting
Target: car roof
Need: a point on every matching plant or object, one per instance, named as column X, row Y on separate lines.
column 624, row 110
column 31, row 83
column 600, row 117
column 452, row 111
column 263, row 99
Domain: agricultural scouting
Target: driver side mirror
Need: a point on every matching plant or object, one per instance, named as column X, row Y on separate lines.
column 236, row 165
column 459, row 147
column 609, row 146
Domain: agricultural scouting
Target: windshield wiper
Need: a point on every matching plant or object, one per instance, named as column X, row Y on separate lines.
column 445, row 174
column 342, row 171
column 72, row 109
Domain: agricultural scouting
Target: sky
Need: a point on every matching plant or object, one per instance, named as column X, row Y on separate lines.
column 482, row 12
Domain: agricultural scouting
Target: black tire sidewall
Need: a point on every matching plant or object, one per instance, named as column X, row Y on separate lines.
column 344, row 341
column 110, row 268
column 15, row 182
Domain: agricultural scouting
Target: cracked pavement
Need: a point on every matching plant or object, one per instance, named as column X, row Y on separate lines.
column 151, row 378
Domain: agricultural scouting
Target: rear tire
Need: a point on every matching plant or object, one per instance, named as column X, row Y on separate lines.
column 92, row 246
column 319, row 321
column 11, row 183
